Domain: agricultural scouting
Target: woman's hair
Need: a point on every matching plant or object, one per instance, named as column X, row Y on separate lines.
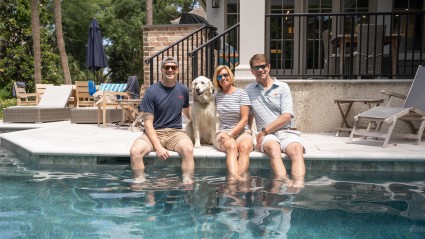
column 217, row 70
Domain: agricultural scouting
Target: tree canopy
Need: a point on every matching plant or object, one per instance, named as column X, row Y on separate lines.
column 16, row 52
column 121, row 23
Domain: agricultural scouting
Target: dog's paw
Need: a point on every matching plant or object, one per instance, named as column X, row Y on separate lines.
column 197, row 145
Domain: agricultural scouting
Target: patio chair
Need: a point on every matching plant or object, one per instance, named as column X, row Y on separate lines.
column 24, row 98
column 83, row 97
column 108, row 94
column 130, row 106
column 368, row 57
column 413, row 110
column 51, row 107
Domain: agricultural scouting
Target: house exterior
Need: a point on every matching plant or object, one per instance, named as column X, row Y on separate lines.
column 258, row 31
column 292, row 33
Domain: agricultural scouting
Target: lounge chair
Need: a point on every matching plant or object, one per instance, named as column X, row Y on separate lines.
column 24, row 98
column 51, row 107
column 413, row 110
column 39, row 89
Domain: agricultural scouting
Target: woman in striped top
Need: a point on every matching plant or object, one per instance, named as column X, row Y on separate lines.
column 233, row 136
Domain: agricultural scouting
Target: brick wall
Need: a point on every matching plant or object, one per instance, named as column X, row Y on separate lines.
column 158, row 37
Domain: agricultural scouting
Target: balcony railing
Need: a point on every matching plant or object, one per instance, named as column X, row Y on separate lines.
column 180, row 50
column 220, row 50
column 346, row 45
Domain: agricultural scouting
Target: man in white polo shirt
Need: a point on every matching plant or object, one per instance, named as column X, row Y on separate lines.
column 271, row 104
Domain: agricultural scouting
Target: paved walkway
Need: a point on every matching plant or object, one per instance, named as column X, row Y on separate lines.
column 88, row 143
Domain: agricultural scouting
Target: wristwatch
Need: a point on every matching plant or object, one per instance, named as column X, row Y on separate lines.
column 264, row 131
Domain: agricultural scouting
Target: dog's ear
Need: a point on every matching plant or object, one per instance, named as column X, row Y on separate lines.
column 211, row 86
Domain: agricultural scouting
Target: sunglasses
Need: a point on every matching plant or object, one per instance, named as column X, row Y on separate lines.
column 262, row 67
column 173, row 68
column 219, row 77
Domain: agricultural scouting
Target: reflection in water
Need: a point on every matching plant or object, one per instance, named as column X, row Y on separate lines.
column 106, row 202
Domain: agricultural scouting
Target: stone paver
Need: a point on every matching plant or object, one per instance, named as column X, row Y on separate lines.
column 88, row 140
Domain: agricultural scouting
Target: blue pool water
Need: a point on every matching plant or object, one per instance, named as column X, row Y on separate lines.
column 102, row 202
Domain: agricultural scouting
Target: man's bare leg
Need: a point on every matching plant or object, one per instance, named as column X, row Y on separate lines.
column 185, row 149
column 295, row 151
column 137, row 151
column 272, row 148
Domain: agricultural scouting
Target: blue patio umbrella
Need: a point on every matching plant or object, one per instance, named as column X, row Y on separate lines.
column 95, row 56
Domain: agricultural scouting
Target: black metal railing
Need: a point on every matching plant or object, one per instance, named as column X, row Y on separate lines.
column 346, row 45
column 220, row 50
column 180, row 49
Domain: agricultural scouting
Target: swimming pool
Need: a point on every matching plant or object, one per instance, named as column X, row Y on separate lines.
column 100, row 202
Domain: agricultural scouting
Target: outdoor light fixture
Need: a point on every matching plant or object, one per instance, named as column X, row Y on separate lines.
column 215, row 3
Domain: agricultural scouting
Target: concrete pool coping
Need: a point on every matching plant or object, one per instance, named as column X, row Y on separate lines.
column 88, row 144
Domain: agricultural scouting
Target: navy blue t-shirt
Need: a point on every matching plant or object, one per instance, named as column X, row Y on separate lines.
column 166, row 104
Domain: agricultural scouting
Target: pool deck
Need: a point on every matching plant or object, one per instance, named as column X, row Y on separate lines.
column 88, row 144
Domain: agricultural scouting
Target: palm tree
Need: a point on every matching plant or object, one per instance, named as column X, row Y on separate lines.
column 149, row 12
column 61, row 43
column 35, row 27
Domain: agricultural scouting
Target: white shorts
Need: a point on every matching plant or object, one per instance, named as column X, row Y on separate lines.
column 286, row 137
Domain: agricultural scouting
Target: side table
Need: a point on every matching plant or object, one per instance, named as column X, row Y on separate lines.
column 350, row 101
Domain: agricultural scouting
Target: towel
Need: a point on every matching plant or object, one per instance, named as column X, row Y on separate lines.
column 92, row 87
column 19, row 84
column 133, row 87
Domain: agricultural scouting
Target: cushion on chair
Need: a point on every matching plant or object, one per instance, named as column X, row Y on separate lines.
column 88, row 115
column 112, row 87
column 55, row 96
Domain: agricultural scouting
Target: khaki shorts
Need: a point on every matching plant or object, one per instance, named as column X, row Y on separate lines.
column 168, row 137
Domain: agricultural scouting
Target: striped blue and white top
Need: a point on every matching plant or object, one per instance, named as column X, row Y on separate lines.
column 228, row 108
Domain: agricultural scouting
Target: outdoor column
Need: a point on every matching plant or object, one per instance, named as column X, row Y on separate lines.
column 252, row 35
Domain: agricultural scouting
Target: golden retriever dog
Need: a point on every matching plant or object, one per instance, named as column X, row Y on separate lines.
column 203, row 123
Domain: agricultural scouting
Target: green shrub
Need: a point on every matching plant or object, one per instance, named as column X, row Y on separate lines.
column 4, row 103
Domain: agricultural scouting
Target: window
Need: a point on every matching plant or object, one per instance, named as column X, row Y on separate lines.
column 281, row 35
column 232, row 13
column 412, row 25
column 315, row 26
column 354, row 6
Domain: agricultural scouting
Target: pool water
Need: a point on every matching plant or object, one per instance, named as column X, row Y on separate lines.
column 103, row 202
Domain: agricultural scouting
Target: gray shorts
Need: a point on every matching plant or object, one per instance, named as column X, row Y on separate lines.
column 285, row 138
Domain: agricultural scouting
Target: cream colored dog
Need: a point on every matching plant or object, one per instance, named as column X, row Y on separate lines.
column 204, row 119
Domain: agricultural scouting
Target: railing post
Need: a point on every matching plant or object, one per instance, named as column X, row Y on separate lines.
column 351, row 62
column 194, row 58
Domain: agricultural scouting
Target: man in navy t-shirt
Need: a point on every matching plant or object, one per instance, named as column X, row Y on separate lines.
column 162, row 107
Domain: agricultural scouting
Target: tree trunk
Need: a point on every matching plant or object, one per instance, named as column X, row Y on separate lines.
column 35, row 27
column 149, row 12
column 61, row 43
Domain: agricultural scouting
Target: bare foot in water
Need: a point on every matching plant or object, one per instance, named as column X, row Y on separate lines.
column 298, row 181
column 186, row 180
column 139, row 178
column 286, row 181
